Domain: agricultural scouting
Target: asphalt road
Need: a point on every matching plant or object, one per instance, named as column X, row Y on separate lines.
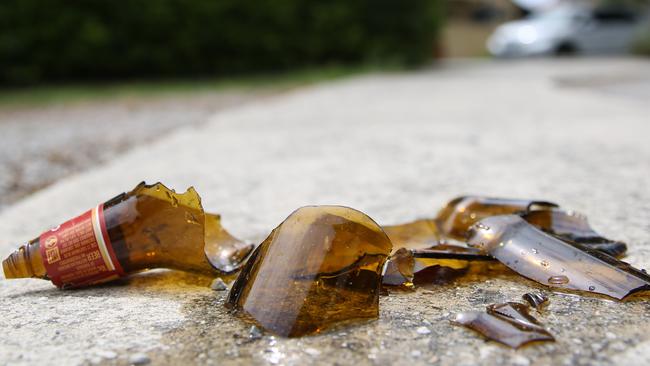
column 396, row 146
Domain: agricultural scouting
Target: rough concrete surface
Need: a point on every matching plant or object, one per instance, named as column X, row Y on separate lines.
column 397, row 147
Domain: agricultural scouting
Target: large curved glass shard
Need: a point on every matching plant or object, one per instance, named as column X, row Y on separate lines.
column 553, row 262
column 225, row 252
column 508, row 323
column 573, row 227
column 321, row 267
column 462, row 212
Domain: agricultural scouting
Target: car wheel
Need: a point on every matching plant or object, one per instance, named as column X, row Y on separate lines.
column 566, row 49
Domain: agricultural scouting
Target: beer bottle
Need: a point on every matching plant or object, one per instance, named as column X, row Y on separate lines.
column 148, row 227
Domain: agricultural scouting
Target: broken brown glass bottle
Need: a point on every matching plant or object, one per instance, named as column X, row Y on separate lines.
column 149, row 227
column 507, row 323
column 554, row 262
column 320, row 267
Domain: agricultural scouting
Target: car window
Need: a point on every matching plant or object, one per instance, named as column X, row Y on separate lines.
column 614, row 16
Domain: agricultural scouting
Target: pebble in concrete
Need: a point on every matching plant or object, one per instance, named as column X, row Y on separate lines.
column 254, row 333
column 218, row 285
column 107, row 354
column 312, row 351
column 139, row 359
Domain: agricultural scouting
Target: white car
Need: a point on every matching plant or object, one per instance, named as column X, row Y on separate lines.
column 567, row 30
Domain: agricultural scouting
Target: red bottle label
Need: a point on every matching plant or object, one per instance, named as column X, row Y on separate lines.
column 79, row 252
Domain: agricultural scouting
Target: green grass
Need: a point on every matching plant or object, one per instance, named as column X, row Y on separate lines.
column 84, row 92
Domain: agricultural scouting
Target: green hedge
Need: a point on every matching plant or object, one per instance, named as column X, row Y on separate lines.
column 641, row 45
column 50, row 40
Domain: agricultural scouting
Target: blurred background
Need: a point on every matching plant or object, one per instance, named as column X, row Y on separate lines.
column 128, row 72
column 60, row 41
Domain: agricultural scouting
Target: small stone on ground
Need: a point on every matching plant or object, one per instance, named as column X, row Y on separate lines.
column 139, row 359
column 218, row 285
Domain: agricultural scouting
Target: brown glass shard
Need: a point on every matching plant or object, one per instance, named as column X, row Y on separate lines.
column 399, row 269
column 441, row 261
column 462, row 212
column 574, row 227
column 508, row 323
column 516, row 312
column 454, row 220
column 321, row 267
column 419, row 234
column 554, row 262
column 536, row 300
column 225, row 252
column 155, row 227
column 449, row 251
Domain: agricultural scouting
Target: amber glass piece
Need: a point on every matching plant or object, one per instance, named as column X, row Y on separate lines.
column 574, row 227
column 508, row 323
column 321, row 267
column 536, row 299
column 155, row 227
column 400, row 269
column 454, row 220
column 225, row 252
column 554, row 262
column 152, row 227
column 516, row 311
column 419, row 234
column 460, row 213
column 407, row 266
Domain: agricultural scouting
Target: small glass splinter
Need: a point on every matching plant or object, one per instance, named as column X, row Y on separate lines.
column 554, row 262
column 321, row 267
column 508, row 323
column 536, row 299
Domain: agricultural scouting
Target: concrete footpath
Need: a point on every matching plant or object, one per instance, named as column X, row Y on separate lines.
column 397, row 147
